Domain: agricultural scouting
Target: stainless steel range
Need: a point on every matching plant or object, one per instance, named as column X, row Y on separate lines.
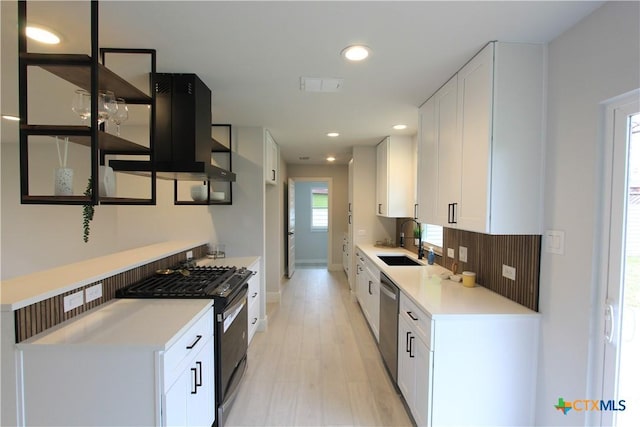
column 228, row 287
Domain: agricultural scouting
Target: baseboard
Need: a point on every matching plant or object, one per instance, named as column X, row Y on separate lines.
column 263, row 324
column 273, row 297
column 318, row 261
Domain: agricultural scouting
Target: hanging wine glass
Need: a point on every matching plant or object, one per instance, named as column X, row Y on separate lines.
column 106, row 105
column 81, row 104
column 121, row 114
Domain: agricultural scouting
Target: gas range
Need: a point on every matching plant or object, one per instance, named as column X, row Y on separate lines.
column 189, row 282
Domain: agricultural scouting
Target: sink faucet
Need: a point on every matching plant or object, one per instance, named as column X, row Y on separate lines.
column 420, row 248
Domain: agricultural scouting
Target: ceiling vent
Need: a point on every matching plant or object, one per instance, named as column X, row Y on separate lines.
column 316, row 84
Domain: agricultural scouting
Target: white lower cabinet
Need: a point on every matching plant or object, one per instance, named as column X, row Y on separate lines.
column 415, row 360
column 454, row 369
column 368, row 292
column 189, row 401
column 254, row 297
column 129, row 362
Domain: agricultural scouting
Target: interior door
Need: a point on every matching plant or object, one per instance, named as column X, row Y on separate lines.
column 622, row 343
column 291, row 238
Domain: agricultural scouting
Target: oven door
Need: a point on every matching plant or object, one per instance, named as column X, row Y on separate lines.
column 231, row 343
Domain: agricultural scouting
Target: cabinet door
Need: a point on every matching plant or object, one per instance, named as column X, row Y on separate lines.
column 427, row 164
column 448, row 153
column 271, row 160
column 175, row 402
column 475, row 89
column 406, row 368
column 423, row 359
column 382, row 171
column 201, row 387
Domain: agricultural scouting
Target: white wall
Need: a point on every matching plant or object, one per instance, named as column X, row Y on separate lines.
column 594, row 61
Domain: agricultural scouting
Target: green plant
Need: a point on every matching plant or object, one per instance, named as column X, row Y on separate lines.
column 416, row 233
column 87, row 213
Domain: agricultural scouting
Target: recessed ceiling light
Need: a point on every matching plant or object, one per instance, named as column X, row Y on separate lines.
column 42, row 35
column 399, row 127
column 331, row 159
column 333, row 134
column 355, row 52
column 12, row 118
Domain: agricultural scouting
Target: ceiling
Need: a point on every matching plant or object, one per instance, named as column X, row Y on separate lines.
column 252, row 55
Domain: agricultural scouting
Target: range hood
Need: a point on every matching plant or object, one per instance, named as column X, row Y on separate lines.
column 182, row 132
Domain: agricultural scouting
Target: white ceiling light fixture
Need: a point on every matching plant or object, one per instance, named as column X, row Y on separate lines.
column 355, row 53
column 331, row 159
column 333, row 134
column 42, row 35
column 399, row 127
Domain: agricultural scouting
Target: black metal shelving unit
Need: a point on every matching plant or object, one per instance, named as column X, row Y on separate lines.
column 218, row 149
column 86, row 72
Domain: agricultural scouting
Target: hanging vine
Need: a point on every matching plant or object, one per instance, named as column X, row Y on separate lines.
column 87, row 213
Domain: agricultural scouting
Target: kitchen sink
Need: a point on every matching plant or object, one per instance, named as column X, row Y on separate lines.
column 398, row 260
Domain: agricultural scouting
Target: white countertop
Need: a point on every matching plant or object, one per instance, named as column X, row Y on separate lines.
column 126, row 322
column 423, row 284
column 25, row 290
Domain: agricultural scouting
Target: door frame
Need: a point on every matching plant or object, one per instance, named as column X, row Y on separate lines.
column 329, row 182
column 595, row 380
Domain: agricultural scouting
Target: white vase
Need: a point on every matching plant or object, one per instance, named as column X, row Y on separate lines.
column 106, row 182
column 63, row 182
column 199, row 192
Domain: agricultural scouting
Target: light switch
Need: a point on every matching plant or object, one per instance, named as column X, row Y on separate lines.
column 508, row 272
column 554, row 242
column 73, row 301
column 93, row 292
column 451, row 253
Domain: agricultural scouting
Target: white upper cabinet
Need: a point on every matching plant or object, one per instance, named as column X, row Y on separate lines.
column 439, row 156
column 395, row 177
column 271, row 155
column 490, row 179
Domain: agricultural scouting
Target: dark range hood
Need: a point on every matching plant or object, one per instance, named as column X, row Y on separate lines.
column 182, row 141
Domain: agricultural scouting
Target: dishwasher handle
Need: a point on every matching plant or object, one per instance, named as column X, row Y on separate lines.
column 384, row 288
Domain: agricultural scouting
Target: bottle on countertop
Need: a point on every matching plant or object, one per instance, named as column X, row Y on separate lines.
column 431, row 256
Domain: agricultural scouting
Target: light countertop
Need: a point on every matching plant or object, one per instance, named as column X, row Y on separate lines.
column 126, row 322
column 425, row 286
column 31, row 288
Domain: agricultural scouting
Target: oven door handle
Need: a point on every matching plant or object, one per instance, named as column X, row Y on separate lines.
column 231, row 313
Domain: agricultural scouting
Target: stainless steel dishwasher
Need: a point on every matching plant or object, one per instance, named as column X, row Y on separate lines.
column 388, row 344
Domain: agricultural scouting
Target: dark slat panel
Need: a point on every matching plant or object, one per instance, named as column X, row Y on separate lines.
column 40, row 316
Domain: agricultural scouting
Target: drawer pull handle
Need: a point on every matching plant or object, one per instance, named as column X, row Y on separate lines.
column 194, row 390
column 408, row 348
column 255, row 319
column 198, row 338
column 411, row 347
column 255, row 294
column 410, row 314
column 199, row 368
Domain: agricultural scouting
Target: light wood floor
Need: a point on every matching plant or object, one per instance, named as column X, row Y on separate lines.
column 317, row 364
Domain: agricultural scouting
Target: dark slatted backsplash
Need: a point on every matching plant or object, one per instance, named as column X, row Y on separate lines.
column 38, row 317
column 485, row 256
column 487, row 253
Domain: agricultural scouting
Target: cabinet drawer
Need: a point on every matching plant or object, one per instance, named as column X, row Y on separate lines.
column 253, row 318
column 418, row 319
column 188, row 344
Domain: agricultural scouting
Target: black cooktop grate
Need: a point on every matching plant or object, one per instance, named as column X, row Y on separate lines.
column 200, row 282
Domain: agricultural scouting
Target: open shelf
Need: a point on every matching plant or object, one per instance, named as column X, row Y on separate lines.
column 82, row 135
column 76, row 69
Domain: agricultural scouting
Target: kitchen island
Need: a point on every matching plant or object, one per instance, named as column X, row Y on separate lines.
column 461, row 351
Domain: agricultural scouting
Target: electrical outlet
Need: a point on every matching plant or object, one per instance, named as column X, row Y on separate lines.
column 189, row 255
column 93, row 292
column 554, row 241
column 73, row 301
column 451, row 253
column 508, row 272
column 462, row 253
